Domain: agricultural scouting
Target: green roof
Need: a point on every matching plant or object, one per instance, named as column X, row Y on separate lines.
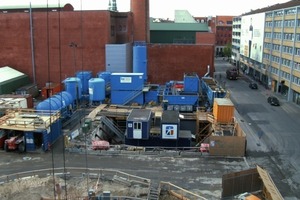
column 27, row 6
column 169, row 26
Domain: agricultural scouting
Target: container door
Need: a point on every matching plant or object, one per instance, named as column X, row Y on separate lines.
column 137, row 130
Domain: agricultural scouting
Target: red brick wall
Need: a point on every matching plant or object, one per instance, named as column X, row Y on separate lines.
column 205, row 38
column 90, row 30
column 170, row 62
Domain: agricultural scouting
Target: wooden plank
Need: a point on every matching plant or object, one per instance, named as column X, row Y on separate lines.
column 269, row 184
column 94, row 113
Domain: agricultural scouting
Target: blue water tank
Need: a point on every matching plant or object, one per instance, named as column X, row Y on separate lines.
column 67, row 97
column 73, row 85
column 50, row 104
column 84, row 76
column 96, row 89
column 140, row 60
column 105, row 76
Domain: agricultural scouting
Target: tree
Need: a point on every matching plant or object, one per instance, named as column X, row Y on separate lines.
column 227, row 50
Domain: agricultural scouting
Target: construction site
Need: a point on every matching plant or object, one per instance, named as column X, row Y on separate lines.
column 127, row 102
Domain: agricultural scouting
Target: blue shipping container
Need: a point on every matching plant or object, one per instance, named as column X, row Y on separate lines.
column 122, row 97
column 191, row 83
column 127, row 81
column 151, row 96
column 182, row 99
column 50, row 137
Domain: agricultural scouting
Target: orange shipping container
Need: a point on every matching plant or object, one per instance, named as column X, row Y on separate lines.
column 223, row 110
column 51, row 89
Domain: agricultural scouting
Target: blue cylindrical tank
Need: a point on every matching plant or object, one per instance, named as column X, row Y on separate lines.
column 96, row 89
column 50, row 104
column 67, row 97
column 84, row 76
column 140, row 60
column 73, row 86
column 105, row 76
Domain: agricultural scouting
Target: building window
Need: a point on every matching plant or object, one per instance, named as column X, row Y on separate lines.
column 137, row 125
column 112, row 30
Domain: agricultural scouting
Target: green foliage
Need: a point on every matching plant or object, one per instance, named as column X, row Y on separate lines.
column 227, row 50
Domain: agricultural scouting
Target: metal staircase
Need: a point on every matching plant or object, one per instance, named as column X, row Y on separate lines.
column 154, row 191
column 114, row 128
column 132, row 95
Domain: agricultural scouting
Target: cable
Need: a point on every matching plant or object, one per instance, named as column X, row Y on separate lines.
column 85, row 134
column 60, row 80
column 48, row 70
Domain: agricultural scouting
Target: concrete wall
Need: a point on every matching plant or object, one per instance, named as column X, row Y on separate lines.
column 169, row 62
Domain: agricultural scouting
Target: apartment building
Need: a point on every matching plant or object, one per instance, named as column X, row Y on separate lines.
column 270, row 48
column 236, row 40
column 223, row 33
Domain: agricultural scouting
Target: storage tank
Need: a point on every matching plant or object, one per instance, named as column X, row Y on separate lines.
column 140, row 59
column 51, row 104
column 84, row 76
column 65, row 97
column 62, row 102
column 73, row 85
column 96, row 89
column 105, row 76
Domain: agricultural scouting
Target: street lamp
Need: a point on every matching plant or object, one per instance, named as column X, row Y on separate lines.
column 73, row 45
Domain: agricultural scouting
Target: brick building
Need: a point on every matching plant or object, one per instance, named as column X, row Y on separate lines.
column 50, row 45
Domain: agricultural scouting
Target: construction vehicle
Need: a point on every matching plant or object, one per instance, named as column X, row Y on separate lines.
column 232, row 74
column 14, row 143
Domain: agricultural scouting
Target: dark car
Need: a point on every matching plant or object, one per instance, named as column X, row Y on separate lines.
column 253, row 86
column 273, row 101
column 232, row 74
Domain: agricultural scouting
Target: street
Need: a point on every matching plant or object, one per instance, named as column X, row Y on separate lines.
column 272, row 132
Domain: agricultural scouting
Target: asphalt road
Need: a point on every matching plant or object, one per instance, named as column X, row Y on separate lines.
column 272, row 143
column 273, row 133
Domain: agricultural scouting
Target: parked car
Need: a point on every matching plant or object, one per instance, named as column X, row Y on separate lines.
column 273, row 101
column 253, row 85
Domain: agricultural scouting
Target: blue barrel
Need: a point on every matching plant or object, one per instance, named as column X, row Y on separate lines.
column 105, row 76
column 96, row 89
column 140, row 60
column 84, row 76
column 73, row 86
